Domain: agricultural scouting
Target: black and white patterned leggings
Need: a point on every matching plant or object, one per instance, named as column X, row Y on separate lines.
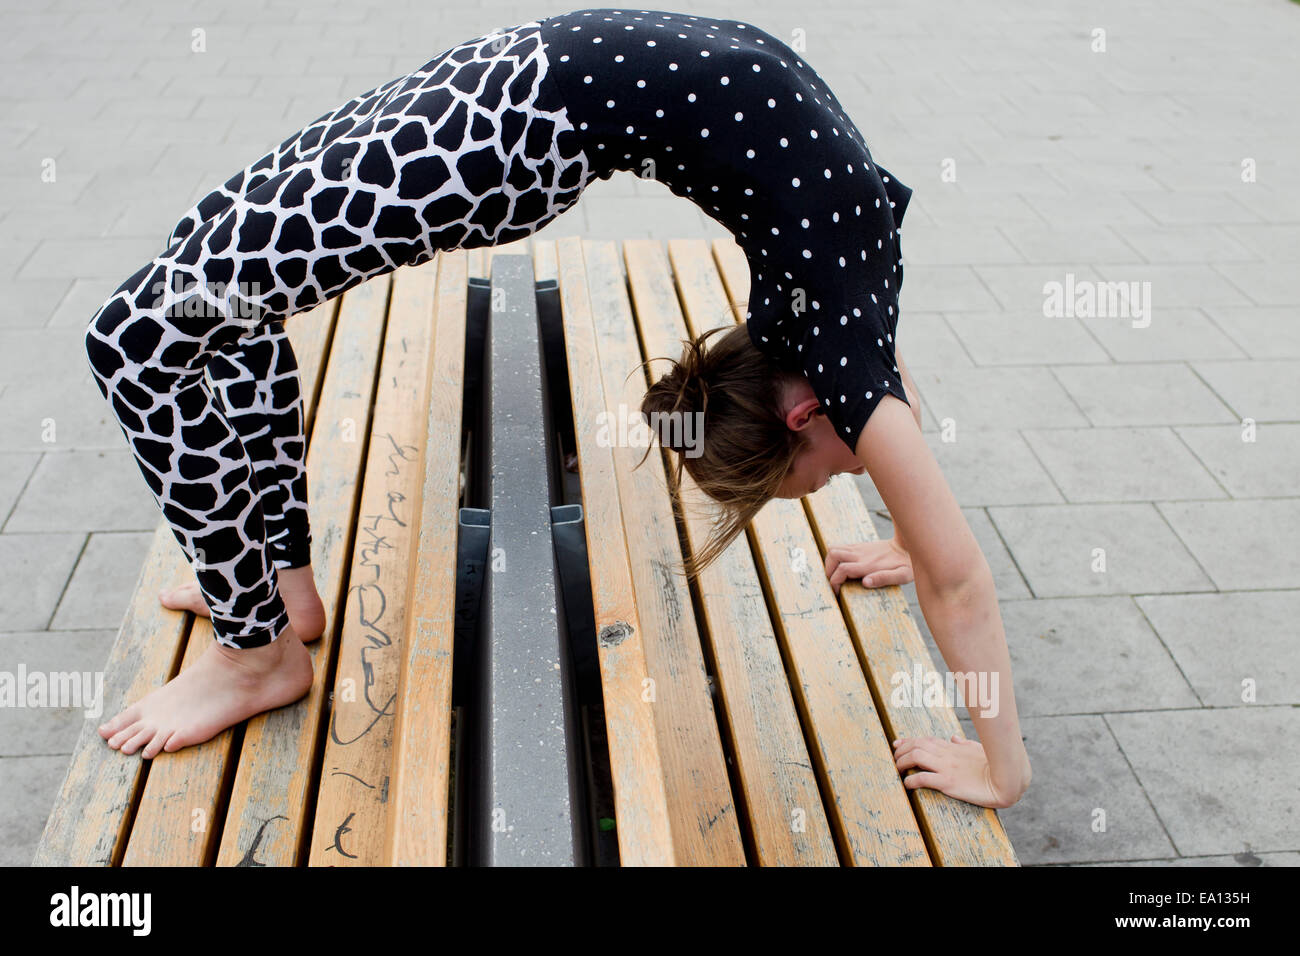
column 472, row 149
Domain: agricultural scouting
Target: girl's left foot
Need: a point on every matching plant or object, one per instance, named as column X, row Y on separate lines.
column 297, row 590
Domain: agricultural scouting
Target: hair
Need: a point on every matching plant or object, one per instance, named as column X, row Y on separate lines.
column 744, row 448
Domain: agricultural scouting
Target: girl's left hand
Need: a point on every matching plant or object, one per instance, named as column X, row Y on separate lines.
column 957, row 767
column 876, row 564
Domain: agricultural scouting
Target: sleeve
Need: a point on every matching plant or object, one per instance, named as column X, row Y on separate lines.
column 847, row 346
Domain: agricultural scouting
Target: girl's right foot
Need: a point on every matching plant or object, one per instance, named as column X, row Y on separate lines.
column 225, row 685
column 297, row 590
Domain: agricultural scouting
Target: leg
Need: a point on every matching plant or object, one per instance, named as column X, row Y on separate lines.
column 397, row 179
column 255, row 384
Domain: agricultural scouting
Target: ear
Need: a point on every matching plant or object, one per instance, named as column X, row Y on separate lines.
column 801, row 415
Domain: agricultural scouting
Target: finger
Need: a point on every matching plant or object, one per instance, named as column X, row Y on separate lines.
column 916, row 758
column 917, row 780
column 846, row 570
column 884, row 579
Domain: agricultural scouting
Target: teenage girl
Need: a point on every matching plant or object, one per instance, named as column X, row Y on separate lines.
column 485, row 144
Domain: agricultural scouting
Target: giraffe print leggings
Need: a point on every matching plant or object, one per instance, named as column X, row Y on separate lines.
column 472, row 149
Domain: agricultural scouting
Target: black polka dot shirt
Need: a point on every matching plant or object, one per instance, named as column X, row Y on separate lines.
column 728, row 116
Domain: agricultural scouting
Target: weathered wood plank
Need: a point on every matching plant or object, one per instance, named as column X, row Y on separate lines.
column 867, row 803
column 351, row 816
column 888, row 641
column 417, row 819
column 781, row 799
column 645, row 835
column 90, row 821
column 958, row 833
column 266, row 819
column 176, row 822
column 701, row 807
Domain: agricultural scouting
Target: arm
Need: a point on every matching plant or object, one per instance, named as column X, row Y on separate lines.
column 877, row 564
column 955, row 588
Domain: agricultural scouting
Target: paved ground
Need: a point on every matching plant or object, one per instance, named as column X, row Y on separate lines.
column 1169, row 158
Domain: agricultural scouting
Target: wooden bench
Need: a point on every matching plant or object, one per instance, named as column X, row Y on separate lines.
column 746, row 718
column 305, row 783
column 769, row 697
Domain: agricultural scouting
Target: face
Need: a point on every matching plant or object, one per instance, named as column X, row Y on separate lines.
column 824, row 456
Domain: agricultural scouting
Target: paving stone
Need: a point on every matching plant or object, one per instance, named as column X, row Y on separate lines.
column 32, row 730
column 1089, row 656
column 1262, row 390
column 1263, row 333
column 1262, row 283
column 1121, row 464
column 15, row 470
column 1171, row 335
column 991, row 398
column 36, row 569
column 1214, row 775
column 1241, row 544
column 925, row 340
column 1263, row 468
column 1056, row 549
column 1178, row 244
column 1142, row 394
column 28, row 788
column 944, row 289
column 86, row 490
column 28, row 303
column 1222, row 641
column 1024, row 338
column 1081, row 783
column 1040, row 243
column 103, row 582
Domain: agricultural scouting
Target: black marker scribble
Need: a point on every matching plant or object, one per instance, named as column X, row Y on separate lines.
column 336, row 772
column 341, row 829
column 371, row 599
column 249, row 859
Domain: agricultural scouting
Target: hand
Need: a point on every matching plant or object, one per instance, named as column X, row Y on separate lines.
column 877, row 563
column 957, row 767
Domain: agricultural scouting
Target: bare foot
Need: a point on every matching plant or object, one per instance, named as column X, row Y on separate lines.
column 297, row 590
column 223, row 687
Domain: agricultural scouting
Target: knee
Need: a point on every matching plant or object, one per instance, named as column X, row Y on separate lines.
column 105, row 358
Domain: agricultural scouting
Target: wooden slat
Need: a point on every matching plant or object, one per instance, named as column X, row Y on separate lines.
column 701, row 808
column 544, row 265
column 417, row 827
column 351, row 816
column 177, row 820
column 888, row 641
column 309, row 336
column 89, row 823
column 645, row 835
column 958, row 833
column 266, row 818
column 868, row 805
column 782, row 802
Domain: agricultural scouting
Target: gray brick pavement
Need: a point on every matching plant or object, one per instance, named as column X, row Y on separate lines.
column 1070, row 434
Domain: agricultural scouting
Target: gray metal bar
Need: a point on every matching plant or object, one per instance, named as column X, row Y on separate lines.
column 528, row 792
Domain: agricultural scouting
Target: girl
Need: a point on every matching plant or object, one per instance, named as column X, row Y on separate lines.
column 485, row 144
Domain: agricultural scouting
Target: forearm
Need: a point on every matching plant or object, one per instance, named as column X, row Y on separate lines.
column 967, row 626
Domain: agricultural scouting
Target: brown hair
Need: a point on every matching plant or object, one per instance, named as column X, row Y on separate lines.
column 747, row 448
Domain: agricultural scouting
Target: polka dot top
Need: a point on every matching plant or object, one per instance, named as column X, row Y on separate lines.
column 731, row 118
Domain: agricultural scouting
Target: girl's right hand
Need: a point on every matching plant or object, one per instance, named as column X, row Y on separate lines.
column 877, row 564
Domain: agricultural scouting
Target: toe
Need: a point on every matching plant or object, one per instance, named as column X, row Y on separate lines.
column 123, row 735
column 120, row 722
column 134, row 744
column 152, row 748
